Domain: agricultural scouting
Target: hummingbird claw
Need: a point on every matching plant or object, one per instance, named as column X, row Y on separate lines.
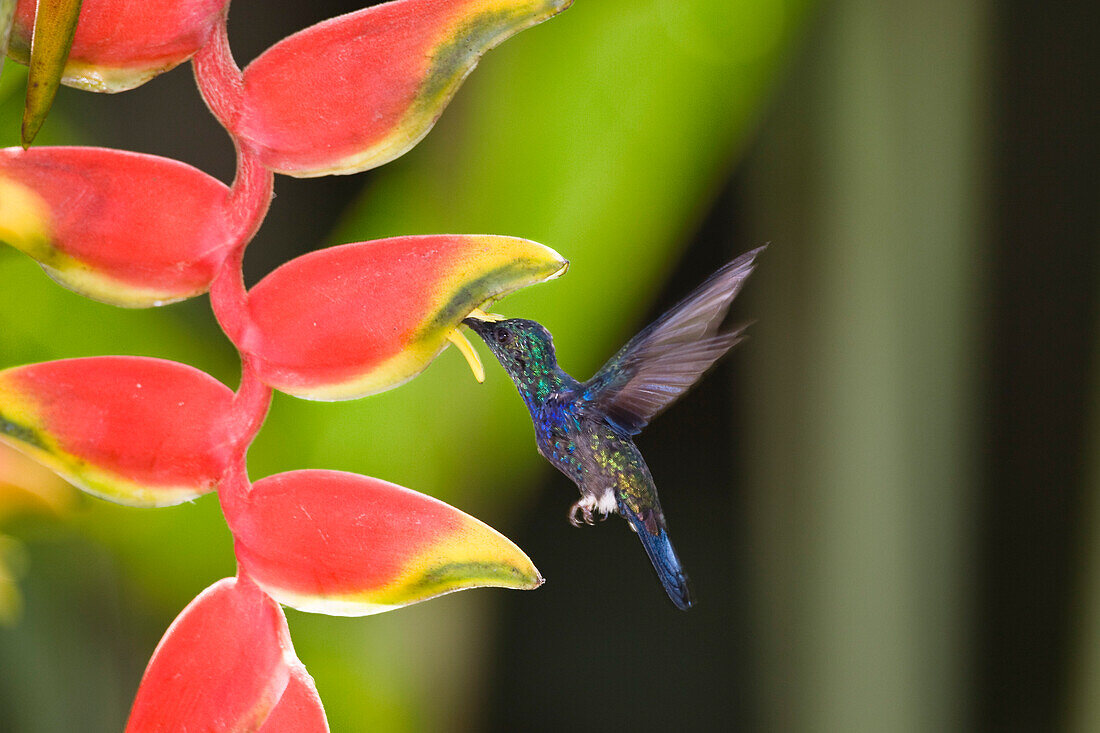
column 584, row 509
column 572, row 515
column 591, row 508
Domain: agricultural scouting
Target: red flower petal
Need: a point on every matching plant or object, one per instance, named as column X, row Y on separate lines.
column 137, row 431
column 349, row 545
column 120, row 44
column 124, row 228
column 223, row 665
column 352, row 320
column 359, row 90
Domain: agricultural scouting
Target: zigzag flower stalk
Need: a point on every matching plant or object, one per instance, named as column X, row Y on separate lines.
column 138, row 231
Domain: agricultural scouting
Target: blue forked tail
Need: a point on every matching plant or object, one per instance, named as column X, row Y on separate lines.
column 653, row 533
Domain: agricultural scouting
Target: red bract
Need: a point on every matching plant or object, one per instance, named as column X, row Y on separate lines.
column 372, row 545
column 299, row 710
column 361, row 318
column 124, row 228
column 121, row 44
column 224, row 665
column 306, row 99
column 144, row 432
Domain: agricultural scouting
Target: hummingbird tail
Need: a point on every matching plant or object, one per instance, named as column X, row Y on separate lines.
column 653, row 533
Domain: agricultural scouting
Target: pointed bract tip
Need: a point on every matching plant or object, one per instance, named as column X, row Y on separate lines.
column 560, row 271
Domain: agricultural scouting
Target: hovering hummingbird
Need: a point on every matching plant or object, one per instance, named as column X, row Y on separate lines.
column 584, row 428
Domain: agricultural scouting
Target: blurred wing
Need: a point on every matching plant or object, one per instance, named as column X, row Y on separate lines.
column 664, row 360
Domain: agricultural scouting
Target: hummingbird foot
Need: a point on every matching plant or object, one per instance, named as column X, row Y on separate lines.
column 581, row 511
column 590, row 508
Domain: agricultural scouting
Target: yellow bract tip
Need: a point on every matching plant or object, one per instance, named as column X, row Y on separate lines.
column 462, row 343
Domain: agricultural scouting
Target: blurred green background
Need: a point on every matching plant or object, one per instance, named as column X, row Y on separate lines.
column 886, row 498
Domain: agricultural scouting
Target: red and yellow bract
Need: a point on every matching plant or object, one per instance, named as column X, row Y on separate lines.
column 137, row 431
column 353, row 320
column 124, row 228
column 372, row 545
column 359, row 90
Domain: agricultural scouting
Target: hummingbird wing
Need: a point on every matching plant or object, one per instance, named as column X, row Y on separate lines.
column 668, row 356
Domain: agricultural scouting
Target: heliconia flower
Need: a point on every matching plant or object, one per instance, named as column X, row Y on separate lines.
column 361, row 89
column 348, row 545
column 226, row 664
column 361, row 318
column 120, row 44
column 134, row 430
column 124, row 228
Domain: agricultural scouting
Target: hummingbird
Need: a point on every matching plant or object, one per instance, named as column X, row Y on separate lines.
column 586, row 429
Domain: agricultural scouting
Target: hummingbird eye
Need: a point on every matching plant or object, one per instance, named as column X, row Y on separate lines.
column 503, row 336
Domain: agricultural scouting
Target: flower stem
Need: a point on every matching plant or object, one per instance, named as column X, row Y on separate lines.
column 221, row 85
column 245, row 209
column 218, row 76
